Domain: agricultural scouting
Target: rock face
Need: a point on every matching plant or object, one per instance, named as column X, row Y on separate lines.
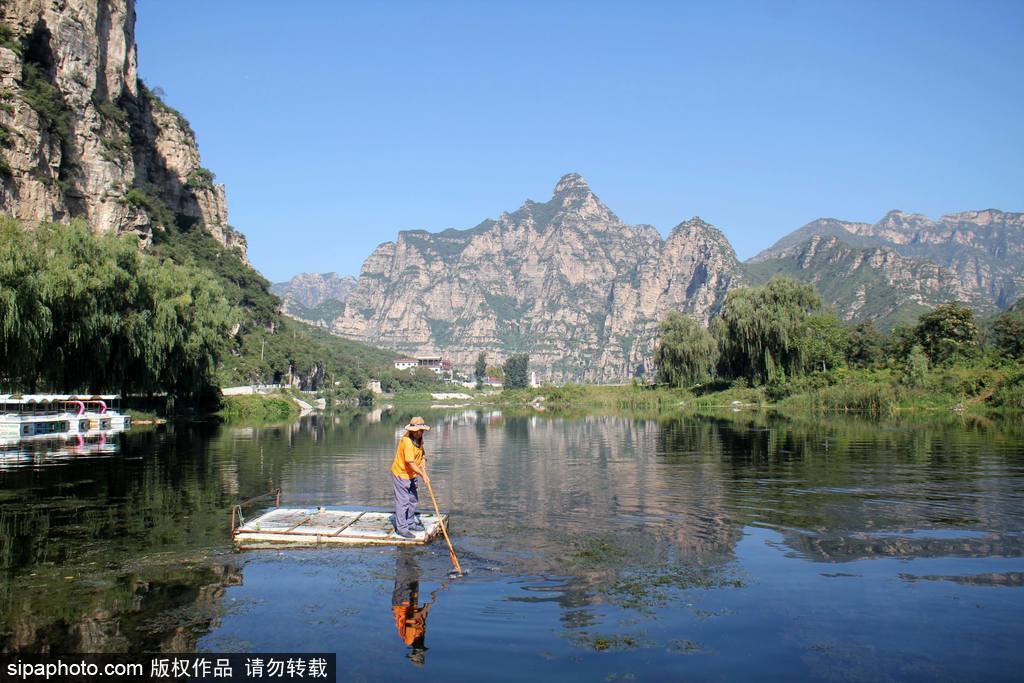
column 83, row 138
column 866, row 283
column 312, row 289
column 974, row 256
column 315, row 297
column 564, row 280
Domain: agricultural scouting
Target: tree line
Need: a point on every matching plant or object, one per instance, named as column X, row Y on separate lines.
column 514, row 372
column 87, row 313
column 779, row 332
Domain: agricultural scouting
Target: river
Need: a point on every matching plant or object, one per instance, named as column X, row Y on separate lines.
column 597, row 547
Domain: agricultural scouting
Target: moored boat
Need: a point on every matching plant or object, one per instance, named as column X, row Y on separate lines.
column 25, row 415
column 29, row 415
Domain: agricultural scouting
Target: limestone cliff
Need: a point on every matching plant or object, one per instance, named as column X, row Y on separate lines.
column 312, row 289
column 979, row 254
column 565, row 280
column 82, row 137
column 315, row 297
column 866, row 283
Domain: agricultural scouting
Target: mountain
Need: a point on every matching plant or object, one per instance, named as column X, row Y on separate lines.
column 975, row 256
column 583, row 292
column 83, row 139
column 565, row 280
column 82, row 136
column 315, row 297
column 865, row 283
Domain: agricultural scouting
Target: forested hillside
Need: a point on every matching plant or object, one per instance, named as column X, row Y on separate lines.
column 119, row 269
column 86, row 312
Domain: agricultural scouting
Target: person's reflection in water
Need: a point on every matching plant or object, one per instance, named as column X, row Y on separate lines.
column 410, row 616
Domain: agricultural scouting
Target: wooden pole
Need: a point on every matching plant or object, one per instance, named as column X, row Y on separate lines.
column 440, row 520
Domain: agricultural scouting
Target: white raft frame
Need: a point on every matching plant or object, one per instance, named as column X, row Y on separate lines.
column 325, row 525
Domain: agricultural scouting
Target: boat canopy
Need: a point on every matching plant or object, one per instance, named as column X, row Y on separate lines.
column 37, row 399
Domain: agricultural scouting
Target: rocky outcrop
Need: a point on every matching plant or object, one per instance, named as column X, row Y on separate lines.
column 83, row 138
column 980, row 253
column 312, row 289
column 565, row 280
column 866, row 283
column 583, row 292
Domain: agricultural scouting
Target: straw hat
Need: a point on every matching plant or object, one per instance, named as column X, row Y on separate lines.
column 417, row 424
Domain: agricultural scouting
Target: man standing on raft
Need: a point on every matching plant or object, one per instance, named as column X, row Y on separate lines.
column 409, row 463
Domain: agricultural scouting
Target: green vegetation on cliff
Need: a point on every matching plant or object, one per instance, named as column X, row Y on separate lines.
column 267, row 347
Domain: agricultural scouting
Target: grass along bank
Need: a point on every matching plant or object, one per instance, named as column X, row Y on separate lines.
column 975, row 389
column 259, row 408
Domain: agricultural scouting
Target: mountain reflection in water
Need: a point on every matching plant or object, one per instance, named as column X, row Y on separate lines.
column 595, row 545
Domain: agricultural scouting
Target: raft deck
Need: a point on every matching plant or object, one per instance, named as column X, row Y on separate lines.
column 329, row 525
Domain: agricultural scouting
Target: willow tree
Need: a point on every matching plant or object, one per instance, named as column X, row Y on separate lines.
column 90, row 285
column 191, row 322
column 80, row 312
column 686, row 352
column 25, row 323
column 761, row 331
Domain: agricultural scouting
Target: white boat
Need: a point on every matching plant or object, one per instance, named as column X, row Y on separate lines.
column 27, row 415
column 97, row 410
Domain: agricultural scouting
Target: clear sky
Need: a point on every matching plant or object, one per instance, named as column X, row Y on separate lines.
column 335, row 125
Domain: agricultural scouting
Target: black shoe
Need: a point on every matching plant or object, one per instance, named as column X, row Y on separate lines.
column 417, row 527
column 406, row 534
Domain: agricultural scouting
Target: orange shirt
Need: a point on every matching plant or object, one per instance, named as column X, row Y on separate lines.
column 406, row 453
column 411, row 621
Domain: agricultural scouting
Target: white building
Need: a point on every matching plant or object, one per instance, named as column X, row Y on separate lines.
column 439, row 365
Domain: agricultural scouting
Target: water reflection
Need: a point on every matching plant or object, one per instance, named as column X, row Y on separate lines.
column 41, row 452
column 574, row 529
column 155, row 609
column 410, row 616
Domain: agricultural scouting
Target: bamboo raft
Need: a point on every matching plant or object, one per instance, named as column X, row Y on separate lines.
column 327, row 525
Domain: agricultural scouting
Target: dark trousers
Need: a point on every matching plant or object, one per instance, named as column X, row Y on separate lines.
column 407, row 579
column 406, row 500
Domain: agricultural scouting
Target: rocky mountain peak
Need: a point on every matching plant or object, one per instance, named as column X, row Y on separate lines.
column 565, row 280
column 303, row 294
column 694, row 226
column 973, row 256
column 571, row 183
column 986, row 217
column 896, row 220
column 574, row 198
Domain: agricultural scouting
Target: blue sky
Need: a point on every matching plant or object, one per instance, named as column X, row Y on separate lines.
column 335, row 125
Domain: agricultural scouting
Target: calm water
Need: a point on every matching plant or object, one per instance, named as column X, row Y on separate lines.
column 597, row 548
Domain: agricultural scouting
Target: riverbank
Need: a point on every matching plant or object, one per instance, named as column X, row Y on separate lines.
column 875, row 392
column 260, row 408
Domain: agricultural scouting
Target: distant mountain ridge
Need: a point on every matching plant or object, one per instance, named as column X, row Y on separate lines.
column 565, row 280
column 315, row 297
column 866, row 283
column 976, row 257
column 583, row 292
